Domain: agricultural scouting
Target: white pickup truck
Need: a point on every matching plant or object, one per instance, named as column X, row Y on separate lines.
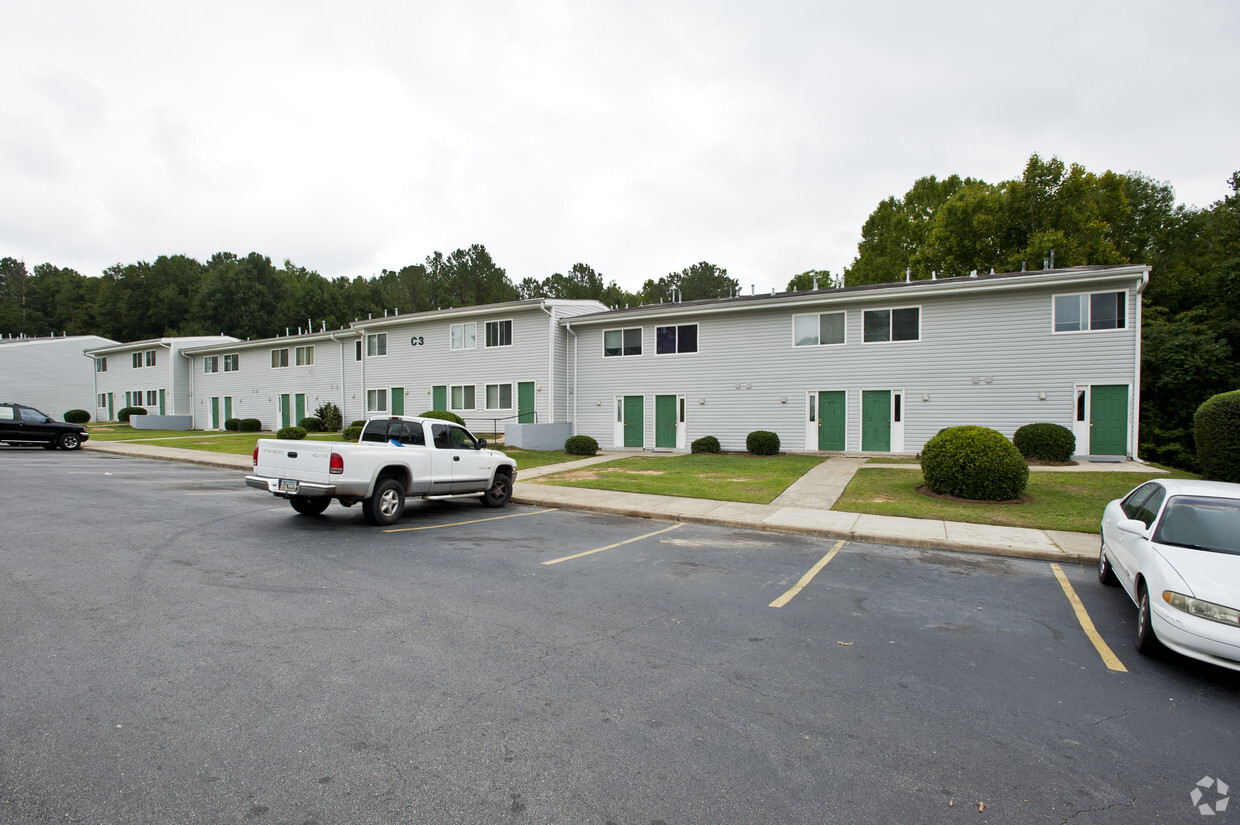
column 393, row 459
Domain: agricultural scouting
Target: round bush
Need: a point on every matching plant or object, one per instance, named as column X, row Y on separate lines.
column 974, row 462
column 705, row 444
column 580, row 445
column 1216, row 429
column 761, row 442
column 1047, row 442
column 232, row 424
column 249, row 425
column 291, row 432
column 123, row 415
column 311, row 424
column 352, row 433
column 77, row 416
column 444, row 415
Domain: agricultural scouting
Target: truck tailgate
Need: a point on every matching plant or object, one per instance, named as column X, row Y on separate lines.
column 300, row 460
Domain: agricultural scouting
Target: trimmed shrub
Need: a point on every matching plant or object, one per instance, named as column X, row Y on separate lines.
column 444, row 415
column 352, row 432
column 232, row 424
column 705, row 444
column 762, row 442
column 329, row 417
column 311, row 424
column 123, row 415
column 361, row 422
column 1047, row 442
column 580, row 445
column 291, row 432
column 974, row 462
column 249, row 425
column 1216, row 429
column 77, row 416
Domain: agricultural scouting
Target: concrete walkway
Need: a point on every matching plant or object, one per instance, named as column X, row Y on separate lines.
column 804, row 508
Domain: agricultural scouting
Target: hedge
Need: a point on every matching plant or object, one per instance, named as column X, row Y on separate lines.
column 77, row 416
column 232, row 424
column 580, row 445
column 705, row 444
column 352, row 433
column 1216, row 429
column 291, row 432
column 123, row 415
column 762, row 442
column 975, row 463
column 1046, row 442
column 443, row 415
column 311, row 424
column 249, row 425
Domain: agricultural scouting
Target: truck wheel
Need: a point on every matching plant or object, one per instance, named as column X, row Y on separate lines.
column 386, row 505
column 70, row 441
column 499, row 492
column 308, row 506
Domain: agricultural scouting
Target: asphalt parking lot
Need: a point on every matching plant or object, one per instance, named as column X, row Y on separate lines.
column 179, row 648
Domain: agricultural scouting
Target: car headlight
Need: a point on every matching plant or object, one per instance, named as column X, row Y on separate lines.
column 1206, row 610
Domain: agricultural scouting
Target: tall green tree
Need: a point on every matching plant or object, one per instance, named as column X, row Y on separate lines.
column 700, row 281
column 897, row 229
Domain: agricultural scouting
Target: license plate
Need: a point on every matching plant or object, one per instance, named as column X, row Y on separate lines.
column 287, row 486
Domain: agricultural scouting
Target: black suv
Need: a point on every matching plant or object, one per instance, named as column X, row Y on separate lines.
column 20, row 424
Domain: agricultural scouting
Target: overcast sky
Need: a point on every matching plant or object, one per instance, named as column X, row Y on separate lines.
column 637, row 137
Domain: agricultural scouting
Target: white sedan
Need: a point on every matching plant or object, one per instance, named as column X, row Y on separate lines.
column 1174, row 545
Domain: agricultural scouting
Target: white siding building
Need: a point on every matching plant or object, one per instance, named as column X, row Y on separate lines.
column 150, row 374
column 875, row 369
column 50, row 374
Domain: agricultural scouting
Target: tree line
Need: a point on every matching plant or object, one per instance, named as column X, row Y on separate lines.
column 1054, row 214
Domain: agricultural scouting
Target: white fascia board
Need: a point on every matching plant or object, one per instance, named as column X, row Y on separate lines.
column 453, row 312
column 263, row 343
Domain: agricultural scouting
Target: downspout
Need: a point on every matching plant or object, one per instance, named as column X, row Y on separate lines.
column 182, row 353
column 95, row 372
column 343, row 415
column 550, row 364
column 569, row 326
column 1136, row 369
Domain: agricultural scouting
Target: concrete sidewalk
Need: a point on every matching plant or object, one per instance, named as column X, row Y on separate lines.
column 804, row 508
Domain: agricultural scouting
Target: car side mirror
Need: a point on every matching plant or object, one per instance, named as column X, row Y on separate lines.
column 1132, row 525
column 482, row 443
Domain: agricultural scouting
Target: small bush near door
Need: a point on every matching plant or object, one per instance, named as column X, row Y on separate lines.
column 352, row 433
column 444, row 415
column 581, row 445
column 1047, row 442
column 123, row 415
column 974, row 462
column 291, row 432
column 249, row 425
column 705, row 444
column 1216, row 429
column 232, row 424
column 77, row 416
column 762, row 442
column 311, row 424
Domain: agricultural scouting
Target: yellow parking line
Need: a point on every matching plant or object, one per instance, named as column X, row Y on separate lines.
column 808, row 577
column 462, row 523
column 1108, row 657
column 617, row 544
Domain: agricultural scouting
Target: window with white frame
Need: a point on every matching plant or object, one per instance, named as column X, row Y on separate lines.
column 376, row 344
column 357, row 350
column 101, row 364
column 892, row 325
column 679, row 339
column 137, row 398
column 376, row 400
column 150, row 357
column 279, row 358
column 304, row 356
column 464, row 336
column 499, row 396
column 211, row 363
column 621, row 342
column 499, row 334
column 232, row 362
column 137, row 360
column 818, row 330
column 103, row 399
column 1091, row 311
column 462, row 397
column 152, row 397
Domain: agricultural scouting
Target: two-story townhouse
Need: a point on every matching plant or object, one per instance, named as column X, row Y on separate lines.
column 150, row 374
column 278, row 380
column 875, row 369
column 490, row 364
column 50, row 374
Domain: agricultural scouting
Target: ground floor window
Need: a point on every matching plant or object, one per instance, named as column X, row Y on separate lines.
column 376, row 400
column 499, row 396
column 463, row 397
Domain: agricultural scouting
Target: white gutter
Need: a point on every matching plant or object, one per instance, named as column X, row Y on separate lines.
column 550, row 367
column 568, row 325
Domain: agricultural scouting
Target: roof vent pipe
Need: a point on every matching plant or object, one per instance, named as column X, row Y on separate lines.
column 934, row 276
column 751, row 290
column 1052, row 259
column 1022, row 265
column 908, row 275
column 1044, row 263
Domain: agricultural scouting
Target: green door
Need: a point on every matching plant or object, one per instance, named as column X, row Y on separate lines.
column 215, row 413
column 284, row 410
column 1108, row 420
column 876, row 421
column 111, row 413
column 398, row 400
column 525, row 403
column 227, row 407
column 300, row 401
column 439, row 398
column 665, row 421
column 634, row 423
column 831, row 420
column 161, row 402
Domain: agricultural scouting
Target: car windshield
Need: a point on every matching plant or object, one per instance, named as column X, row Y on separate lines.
column 1202, row 523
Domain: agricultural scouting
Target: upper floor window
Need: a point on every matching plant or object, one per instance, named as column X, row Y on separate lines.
column 232, row 362
column 150, row 357
column 1098, row 310
column 464, row 336
column 892, row 325
column 137, row 360
column 101, row 364
column 669, row 340
column 499, row 333
column 279, row 358
column 813, row 330
column 358, row 348
column 304, row 356
column 622, row 342
column 211, row 363
column 376, row 344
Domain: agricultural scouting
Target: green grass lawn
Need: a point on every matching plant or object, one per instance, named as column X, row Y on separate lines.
column 231, row 443
column 753, row 479
column 1058, row 501
column 124, row 432
column 529, row 459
